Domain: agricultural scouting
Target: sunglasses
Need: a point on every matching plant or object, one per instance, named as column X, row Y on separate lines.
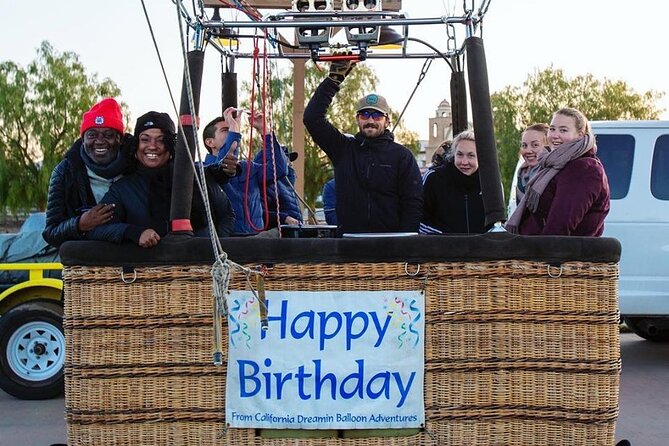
column 375, row 115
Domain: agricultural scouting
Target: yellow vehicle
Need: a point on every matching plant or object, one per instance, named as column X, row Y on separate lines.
column 32, row 344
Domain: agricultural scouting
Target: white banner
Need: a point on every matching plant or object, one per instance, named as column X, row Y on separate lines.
column 329, row 360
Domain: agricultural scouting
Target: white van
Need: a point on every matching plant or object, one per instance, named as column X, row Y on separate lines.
column 635, row 155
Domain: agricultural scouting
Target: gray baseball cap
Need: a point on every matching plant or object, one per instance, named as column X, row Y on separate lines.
column 374, row 101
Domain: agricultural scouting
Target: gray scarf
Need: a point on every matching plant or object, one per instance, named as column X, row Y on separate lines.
column 550, row 164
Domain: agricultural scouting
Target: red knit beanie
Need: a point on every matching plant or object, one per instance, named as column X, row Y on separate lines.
column 106, row 113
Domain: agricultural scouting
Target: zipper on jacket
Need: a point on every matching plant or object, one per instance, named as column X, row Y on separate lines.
column 369, row 196
column 467, row 211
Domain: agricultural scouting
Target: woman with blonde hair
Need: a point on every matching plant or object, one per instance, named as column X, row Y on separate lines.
column 533, row 145
column 569, row 195
column 452, row 201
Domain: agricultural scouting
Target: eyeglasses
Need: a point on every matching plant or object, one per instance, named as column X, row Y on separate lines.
column 375, row 115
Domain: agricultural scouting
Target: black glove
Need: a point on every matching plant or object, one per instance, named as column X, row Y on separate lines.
column 339, row 69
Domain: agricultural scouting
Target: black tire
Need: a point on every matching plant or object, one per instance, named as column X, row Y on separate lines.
column 32, row 351
column 650, row 329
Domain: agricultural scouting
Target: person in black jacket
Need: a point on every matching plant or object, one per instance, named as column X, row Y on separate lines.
column 96, row 160
column 378, row 180
column 141, row 200
column 452, row 201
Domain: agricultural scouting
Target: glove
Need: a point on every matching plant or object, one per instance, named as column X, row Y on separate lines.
column 339, row 70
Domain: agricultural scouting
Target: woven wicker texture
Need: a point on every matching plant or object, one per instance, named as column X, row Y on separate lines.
column 516, row 352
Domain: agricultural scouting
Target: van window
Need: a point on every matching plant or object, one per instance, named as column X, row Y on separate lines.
column 659, row 173
column 617, row 155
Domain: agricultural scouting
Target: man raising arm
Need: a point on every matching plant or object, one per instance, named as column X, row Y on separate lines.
column 378, row 180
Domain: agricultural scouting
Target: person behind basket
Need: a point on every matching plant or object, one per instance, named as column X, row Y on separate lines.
column 533, row 145
column 288, row 211
column 569, row 195
column 100, row 157
column 141, row 201
column 378, row 180
column 246, row 188
column 329, row 195
column 452, row 201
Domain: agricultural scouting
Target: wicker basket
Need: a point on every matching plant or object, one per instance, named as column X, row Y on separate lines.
column 517, row 352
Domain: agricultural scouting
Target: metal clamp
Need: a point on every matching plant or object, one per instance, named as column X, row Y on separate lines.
column 125, row 270
column 406, row 270
column 548, row 269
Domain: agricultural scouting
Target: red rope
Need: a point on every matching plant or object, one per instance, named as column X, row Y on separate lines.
column 263, row 102
column 245, row 9
column 250, row 157
column 265, row 93
column 274, row 155
column 250, row 151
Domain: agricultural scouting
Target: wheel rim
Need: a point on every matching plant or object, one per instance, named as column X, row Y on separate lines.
column 36, row 351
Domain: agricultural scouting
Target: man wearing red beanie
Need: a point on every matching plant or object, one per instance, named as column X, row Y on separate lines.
column 100, row 157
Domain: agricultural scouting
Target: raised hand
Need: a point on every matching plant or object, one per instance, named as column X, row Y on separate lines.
column 339, row 69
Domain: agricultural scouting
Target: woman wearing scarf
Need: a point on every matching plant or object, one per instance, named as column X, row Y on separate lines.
column 533, row 144
column 569, row 195
column 452, row 200
column 142, row 199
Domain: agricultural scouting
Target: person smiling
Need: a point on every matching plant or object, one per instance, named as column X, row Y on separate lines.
column 452, row 200
column 141, row 200
column 533, row 145
column 569, row 195
column 378, row 180
column 99, row 158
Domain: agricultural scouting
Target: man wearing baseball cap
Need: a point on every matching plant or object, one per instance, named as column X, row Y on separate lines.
column 96, row 160
column 378, row 180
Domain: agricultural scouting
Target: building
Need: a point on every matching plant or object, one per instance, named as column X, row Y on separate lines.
column 441, row 128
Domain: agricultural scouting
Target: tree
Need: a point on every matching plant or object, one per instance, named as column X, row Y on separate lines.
column 40, row 113
column 317, row 166
column 546, row 91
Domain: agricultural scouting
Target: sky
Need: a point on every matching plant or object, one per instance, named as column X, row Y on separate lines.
column 614, row 39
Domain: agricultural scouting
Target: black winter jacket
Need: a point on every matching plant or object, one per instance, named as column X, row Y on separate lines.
column 378, row 180
column 143, row 199
column 452, row 202
column 70, row 195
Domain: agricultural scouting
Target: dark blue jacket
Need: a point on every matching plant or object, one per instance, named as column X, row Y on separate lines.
column 330, row 202
column 245, row 189
column 378, row 181
column 289, row 205
column 143, row 199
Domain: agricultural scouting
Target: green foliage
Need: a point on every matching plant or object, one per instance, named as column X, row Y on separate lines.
column 317, row 167
column 40, row 112
column 549, row 90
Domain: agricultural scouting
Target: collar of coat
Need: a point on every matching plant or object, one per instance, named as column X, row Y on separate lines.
column 383, row 139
